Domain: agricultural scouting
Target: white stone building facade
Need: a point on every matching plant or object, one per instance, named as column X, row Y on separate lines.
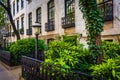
column 52, row 25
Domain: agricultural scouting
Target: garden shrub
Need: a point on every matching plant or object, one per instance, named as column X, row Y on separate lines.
column 110, row 49
column 25, row 47
column 110, row 69
column 69, row 55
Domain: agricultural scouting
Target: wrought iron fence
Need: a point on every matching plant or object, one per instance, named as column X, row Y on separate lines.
column 33, row 69
column 6, row 57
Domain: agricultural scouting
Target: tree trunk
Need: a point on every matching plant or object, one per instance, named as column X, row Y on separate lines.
column 13, row 24
column 99, row 43
column 8, row 10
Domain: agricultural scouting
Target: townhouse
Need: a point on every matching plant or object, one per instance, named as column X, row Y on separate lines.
column 60, row 17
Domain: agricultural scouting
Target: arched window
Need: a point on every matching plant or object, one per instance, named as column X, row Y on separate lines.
column 30, row 20
column 30, row 24
column 17, row 5
column 69, row 7
column 14, row 8
column 49, row 26
column 69, row 19
column 22, row 4
column 18, row 25
column 51, row 10
column 38, row 15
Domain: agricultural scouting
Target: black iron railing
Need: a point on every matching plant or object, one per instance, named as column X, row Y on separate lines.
column 68, row 22
column 29, row 31
column 33, row 69
column 49, row 26
column 6, row 57
column 108, row 17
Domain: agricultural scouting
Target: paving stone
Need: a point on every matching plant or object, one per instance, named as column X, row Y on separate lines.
column 5, row 74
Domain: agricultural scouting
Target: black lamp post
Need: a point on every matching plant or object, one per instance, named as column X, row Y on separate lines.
column 36, row 27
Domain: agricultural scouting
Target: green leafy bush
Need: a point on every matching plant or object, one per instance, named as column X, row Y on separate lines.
column 110, row 69
column 69, row 55
column 110, row 49
column 25, row 47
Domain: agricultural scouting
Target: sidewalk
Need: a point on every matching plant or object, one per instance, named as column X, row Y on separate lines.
column 9, row 74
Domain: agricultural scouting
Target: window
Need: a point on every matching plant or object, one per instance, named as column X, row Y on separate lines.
column 51, row 15
column 106, row 8
column 17, row 5
column 69, row 8
column 38, row 15
column 30, row 20
column 18, row 25
column 69, row 19
column 22, row 4
column 51, row 10
column 13, row 8
column 22, row 24
column 29, row 30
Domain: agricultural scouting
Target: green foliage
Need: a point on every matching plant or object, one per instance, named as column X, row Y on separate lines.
column 71, row 39
column 25, row 47
column 110, row 69
column 68, row 55
column 61, row 52
column 2, row 17
column 111, row 49
column 94, row 24
column 9, row 45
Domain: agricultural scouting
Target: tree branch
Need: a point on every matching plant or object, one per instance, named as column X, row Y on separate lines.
column 2, row 5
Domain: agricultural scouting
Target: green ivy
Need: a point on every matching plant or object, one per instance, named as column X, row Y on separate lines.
column 94, row 24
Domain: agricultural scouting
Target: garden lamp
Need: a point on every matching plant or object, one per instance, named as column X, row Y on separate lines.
column 36, row 28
